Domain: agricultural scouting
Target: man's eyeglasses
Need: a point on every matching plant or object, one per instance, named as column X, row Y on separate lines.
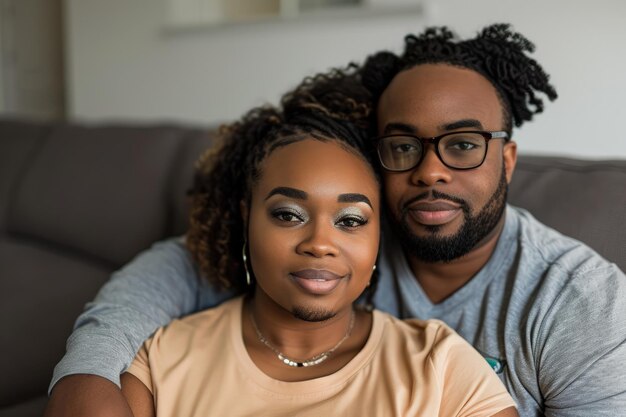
column 457, row 150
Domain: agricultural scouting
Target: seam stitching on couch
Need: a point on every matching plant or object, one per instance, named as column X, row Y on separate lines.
column 14, row 188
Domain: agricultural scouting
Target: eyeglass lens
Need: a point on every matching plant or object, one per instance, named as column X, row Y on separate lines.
column 456, row 150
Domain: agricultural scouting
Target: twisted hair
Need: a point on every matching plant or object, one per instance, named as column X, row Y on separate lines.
column 225, row 174
column 497, row 53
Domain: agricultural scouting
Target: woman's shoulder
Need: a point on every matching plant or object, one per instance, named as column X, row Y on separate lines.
column 199, row 328
column 423, row 335
column 432, row 328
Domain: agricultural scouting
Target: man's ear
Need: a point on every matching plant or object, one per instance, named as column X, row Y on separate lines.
column 509, row 154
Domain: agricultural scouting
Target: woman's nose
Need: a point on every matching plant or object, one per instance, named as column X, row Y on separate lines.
column 318, row 241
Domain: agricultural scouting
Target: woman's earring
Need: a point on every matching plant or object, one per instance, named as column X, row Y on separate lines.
column 374, row 267
column 245, row 263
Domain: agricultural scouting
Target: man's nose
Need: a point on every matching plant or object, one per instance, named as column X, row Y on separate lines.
column 431, row 170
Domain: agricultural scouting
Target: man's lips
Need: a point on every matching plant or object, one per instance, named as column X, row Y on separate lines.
column 433, row 213
column 316, row 281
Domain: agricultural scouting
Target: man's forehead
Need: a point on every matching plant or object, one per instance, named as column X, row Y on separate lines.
column 434, row 79
column 439, row 94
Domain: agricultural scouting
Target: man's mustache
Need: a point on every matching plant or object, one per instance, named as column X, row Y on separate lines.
column 436, row 195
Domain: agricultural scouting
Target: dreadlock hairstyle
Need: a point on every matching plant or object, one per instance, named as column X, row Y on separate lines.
column 497, row 53
column 226, row 173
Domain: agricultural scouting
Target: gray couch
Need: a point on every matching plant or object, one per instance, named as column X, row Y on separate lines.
column 78, row 202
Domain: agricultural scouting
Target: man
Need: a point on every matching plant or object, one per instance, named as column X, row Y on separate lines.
column 546, row 311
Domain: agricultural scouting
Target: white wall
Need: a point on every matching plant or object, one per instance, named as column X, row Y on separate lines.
column 2, row 60
column 122, row 65
column 581, row 44
column 31, row 58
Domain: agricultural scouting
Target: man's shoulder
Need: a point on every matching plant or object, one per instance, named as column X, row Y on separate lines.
column 575, row 318
column 169, row 253
column 562, row 273
column 543, row 247
column 174, row 246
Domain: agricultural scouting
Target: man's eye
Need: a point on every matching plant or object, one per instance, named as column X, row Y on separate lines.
column 463, row 143
column 404, row 148
column 351, row 222
column 463, row 146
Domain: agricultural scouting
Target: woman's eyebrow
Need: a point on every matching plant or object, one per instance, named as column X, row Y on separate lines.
column 288, row 192
column 354, row 198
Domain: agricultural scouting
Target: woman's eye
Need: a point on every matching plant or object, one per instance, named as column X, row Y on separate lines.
column 287, row 216
column 351, row 222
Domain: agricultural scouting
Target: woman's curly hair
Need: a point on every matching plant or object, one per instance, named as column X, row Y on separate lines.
column 497, row 53
column 326, row 107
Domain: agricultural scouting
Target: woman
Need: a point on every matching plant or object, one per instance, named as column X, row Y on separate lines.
column 287, row 211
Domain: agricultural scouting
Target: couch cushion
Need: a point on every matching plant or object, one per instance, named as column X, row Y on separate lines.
column 102, row 191
column 19, row 142
column 43, row 289
column 582, row 199
column 33, row 407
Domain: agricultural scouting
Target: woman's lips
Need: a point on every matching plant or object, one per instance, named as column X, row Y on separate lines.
column 434, row 213
column 316, row 281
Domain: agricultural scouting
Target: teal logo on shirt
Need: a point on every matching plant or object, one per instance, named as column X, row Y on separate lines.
column 496, row 364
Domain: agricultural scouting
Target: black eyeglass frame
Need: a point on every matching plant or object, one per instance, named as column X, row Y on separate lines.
column 500, row 134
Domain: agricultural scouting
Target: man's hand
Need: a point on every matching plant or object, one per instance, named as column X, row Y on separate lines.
column 88, row 396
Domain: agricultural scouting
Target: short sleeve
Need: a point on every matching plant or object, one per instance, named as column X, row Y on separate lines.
column 580, row 350
column 470, row 388
column 158, row 285
column 140, row 366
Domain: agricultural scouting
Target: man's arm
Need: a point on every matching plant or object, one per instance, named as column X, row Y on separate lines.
column 581, row 349
column 74, row 396
column 87, row 395
column 157, row 286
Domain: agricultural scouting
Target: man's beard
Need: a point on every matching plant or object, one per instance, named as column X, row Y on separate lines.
column 437, row 248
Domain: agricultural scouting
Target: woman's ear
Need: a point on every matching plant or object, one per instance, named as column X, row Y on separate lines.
column 243, row 208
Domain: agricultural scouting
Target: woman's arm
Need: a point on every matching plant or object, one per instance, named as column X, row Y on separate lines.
column 507, row 412
column 138, row 396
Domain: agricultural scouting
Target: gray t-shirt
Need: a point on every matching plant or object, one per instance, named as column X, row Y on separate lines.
column 547, row 312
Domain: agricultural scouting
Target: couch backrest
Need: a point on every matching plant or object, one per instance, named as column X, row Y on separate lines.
column 18, row 142
column 104, row 191
column 76, row 203
column 582, row 199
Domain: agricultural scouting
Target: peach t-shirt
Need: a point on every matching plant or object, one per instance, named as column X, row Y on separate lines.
column 199, row 366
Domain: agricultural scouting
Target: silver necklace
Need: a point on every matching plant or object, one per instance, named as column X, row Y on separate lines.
column 315, row 360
